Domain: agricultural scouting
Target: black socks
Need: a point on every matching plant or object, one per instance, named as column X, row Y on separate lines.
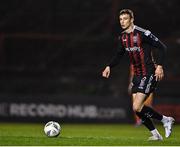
column 146, row 114
column 150, row 113
column 146, row 121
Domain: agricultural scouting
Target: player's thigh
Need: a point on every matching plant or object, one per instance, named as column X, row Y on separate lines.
column 149, row 100
column 133, row 97
column 138, row 102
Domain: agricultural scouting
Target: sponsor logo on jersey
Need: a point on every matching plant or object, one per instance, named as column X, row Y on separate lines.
column 131, row 49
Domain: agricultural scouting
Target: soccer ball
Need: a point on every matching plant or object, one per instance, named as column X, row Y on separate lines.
column 52, row 129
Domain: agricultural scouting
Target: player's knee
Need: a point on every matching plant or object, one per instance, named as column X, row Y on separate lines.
column 136, row 108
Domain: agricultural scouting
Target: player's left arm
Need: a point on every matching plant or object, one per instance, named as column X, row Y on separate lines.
column 155, row 42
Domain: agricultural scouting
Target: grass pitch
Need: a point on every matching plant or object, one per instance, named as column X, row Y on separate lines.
column 18, row 134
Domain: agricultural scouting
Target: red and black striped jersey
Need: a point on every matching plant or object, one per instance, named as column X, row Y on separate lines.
column 138, row 45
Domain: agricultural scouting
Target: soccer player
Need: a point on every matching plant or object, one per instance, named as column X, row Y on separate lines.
column 137, row 42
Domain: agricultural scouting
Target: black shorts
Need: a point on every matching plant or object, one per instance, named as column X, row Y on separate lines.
column 145, row 84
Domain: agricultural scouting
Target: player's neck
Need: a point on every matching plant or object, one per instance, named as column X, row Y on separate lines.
column 130, row 28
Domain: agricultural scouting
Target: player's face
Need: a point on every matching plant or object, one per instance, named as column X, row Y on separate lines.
column 125, row 21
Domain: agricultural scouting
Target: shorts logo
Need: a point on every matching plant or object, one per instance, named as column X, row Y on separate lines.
column 141, row 85
column 149, row 84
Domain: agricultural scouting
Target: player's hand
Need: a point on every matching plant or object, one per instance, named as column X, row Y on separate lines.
column 159, row 73
column 106, row 72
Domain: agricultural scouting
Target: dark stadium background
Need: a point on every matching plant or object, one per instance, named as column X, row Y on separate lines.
column 52, row 53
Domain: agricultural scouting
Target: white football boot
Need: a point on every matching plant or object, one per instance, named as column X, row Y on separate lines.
column 156, row 137
column 168, row 126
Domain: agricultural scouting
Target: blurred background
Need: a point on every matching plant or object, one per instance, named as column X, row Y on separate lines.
column 52, row 53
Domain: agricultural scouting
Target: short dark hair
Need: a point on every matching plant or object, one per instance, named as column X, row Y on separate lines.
column 127, row 11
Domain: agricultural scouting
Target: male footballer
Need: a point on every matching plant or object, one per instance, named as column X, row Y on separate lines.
column 138, row 42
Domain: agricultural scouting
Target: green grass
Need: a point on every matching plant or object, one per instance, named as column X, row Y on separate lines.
column 84, row 135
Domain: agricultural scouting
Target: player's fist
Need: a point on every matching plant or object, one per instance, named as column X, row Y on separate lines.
column 106, row 72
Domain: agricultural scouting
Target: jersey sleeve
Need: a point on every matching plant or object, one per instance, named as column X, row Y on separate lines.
column 155, row 42
column 119, row 53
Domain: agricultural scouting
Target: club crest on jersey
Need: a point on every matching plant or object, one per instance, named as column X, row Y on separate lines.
column 135, row 39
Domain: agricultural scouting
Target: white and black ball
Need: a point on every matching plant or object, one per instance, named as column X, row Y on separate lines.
column 52, row 129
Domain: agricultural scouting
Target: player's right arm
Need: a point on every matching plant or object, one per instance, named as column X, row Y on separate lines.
column 115, row 60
